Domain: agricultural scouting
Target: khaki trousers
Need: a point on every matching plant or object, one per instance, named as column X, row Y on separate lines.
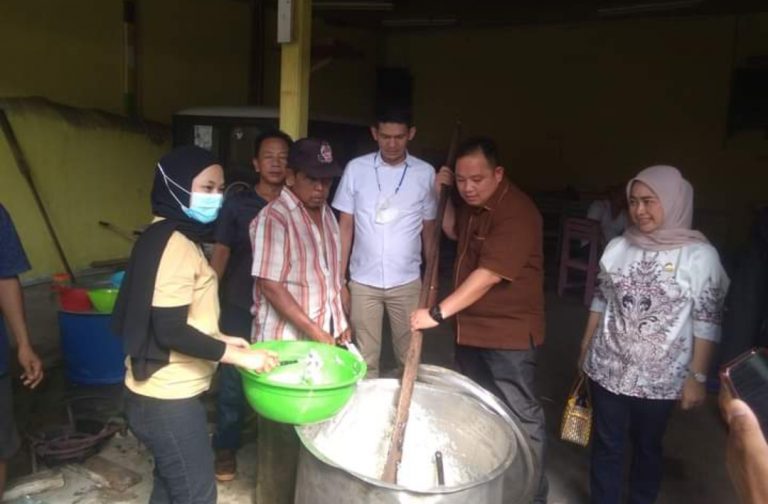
column 367, row 311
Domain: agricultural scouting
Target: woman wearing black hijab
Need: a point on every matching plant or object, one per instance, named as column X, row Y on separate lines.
column 167, row 314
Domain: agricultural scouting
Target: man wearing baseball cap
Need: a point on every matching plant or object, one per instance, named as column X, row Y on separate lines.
column 297, row 254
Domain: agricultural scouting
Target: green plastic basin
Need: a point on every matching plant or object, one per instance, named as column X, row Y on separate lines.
column 103, row 299
column 283, row 396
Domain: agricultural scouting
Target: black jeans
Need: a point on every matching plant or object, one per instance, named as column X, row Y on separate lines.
column 509, row 374
column 176, row 432
column 230, row 404
column 646, row 420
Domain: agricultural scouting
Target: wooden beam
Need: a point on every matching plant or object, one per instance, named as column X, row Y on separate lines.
column 427, row 297
column 294, row 73
column 26, row 172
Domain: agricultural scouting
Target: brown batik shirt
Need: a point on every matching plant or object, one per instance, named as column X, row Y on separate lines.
column 505, row 237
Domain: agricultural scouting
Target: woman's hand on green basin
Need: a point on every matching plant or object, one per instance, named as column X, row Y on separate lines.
column 234, row 340
column 260, row 361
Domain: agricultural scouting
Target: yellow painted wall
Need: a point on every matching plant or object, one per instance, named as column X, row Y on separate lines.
column 191, row 52
column 84, row 174
column 66, row 51
column 346, row 86
column 194, row 52
column 591, row 104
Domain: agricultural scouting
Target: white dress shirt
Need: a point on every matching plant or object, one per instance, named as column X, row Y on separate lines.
column 600, row 210
column 389, row 205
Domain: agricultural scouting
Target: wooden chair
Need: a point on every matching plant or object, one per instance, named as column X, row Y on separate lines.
column 577, row 229
column 551, row 210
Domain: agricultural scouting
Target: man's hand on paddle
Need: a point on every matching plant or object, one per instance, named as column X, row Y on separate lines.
column 420, row 319
column 444, row 178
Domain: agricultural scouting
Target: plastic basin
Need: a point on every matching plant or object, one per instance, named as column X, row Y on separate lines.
column 283, row 396
column 73, row 299
column 103, row 299
column 117, row 279
column 93, row 355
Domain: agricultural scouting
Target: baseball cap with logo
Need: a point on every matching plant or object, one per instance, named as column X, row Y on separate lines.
column 314, row 157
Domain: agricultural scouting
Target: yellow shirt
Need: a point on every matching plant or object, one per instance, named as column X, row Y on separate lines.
column 184, row 277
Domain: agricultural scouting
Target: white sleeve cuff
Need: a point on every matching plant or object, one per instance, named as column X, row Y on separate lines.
column 707, row 331
column 598, row 304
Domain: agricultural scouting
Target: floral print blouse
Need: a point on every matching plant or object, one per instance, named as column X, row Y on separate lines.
column 653, row 303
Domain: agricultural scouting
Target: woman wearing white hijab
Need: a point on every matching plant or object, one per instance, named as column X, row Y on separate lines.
column 652, row 329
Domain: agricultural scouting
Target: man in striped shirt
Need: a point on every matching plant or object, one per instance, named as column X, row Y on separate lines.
column 297, row 254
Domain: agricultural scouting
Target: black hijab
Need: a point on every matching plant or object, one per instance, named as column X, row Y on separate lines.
column 131, row 316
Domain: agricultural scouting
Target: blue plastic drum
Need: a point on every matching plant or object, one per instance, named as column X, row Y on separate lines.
column 92, row 354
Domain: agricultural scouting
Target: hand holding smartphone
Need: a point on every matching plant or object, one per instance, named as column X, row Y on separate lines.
column 746, row 378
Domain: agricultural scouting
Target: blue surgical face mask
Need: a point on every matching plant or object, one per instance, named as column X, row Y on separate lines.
column 203, row 207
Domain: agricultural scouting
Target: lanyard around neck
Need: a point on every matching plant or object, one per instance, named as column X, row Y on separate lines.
column 376, row 170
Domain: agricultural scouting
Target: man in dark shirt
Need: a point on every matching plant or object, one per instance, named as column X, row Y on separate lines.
column 499, row 298
column 232, row 260
column 13, row 261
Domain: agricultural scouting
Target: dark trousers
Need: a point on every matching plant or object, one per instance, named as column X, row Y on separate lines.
column 9, row 436
column 509, row 374
column 646, row 420
column 230, row 407
column 176, row 432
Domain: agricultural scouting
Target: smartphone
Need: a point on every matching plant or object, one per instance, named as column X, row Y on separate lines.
column 747, row 379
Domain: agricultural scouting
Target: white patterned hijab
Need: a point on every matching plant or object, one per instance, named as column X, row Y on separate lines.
column 676, row 197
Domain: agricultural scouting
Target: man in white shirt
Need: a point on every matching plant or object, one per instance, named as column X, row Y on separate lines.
column 388, row 205
column 611, row 213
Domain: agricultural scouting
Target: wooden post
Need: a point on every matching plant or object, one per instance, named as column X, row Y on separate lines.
column 428, row 295
column 294, row 72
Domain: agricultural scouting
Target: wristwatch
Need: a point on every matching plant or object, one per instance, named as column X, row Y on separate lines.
column 698, row 377
column 436, row 314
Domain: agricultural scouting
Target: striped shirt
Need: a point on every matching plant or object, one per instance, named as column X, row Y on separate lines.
column 289, row 248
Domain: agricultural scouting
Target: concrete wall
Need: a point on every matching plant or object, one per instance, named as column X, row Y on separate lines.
column 85, row 171
column 591, row 104
column 346, row 85
column 195, row 52
column 191, row 52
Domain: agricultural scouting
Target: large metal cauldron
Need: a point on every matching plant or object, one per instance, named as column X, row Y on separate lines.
column 488, row 459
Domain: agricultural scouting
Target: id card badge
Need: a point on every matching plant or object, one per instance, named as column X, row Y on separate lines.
column 385, row 213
